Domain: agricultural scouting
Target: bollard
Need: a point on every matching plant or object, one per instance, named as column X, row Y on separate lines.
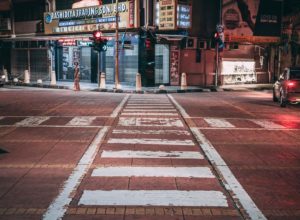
column 6, row 75
column 102, row 81
column 183, row 81
column 26, row 77
column 53, row 78
column 138, row 83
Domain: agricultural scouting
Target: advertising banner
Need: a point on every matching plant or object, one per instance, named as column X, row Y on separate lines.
column 80, row 20
column 255, row 21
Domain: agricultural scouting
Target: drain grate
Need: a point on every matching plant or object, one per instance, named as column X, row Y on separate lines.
column 3, row 151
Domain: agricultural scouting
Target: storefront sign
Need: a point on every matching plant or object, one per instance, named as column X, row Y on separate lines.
column 184, row 15
column 174, row 66
column 67, row 42
column 167, row 14
column 235, row 72
column 251, row 39
column 87, row 19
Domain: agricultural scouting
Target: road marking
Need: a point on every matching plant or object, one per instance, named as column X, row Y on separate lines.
column 1, row 117
column 186, row 172
column 150, row 110
column 152, row 154
column 149, row 114
column 119, row 107
column 81, row 121
column 153, row 122
column 165, row 132
column 218, row 123
column 58, row 207
column 149, row 141
column 149, row 104
column 32, row 121
column 230, row 182
column 267, row 124
column 149, row 107
column 154, row 198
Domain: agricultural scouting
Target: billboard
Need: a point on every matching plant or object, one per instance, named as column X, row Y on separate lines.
column 80, row 20
column 255, row 21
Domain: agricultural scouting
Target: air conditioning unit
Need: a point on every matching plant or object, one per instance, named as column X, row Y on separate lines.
column 191, row 43
column 5, row 24
column 202, row 44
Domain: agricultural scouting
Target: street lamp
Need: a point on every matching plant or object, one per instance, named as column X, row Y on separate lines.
column 117, row 83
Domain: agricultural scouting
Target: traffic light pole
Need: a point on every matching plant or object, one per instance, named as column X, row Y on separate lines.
column 117, row 83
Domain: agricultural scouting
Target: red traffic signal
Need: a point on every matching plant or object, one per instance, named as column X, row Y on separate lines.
column 97, row 35
column 148, row 43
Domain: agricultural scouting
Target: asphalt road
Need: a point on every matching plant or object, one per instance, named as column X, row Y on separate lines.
column 88, row 155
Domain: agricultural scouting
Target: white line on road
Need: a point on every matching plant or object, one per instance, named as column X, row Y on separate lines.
column 119, row 107
column 149, row 107
column 150, row 141
column 149, row 104
column 81, row 121
column 152, row 154
column 267, row 124
column 153, row 122
column 58, row 207
column 154, row 198
column 149, row 110
column 1, row 117
column 164, row 132
column 218, row 123
column 185, row 172
column 149, row 114
column 32, row 121
column 229, row 180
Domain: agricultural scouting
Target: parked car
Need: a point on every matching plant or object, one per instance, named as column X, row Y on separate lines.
column 287, row 88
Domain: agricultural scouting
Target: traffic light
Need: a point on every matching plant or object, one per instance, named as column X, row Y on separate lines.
column 148, row 44
column 99, row 43
column 218, row 38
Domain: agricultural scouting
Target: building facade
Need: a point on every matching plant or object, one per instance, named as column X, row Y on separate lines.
column 160, row 39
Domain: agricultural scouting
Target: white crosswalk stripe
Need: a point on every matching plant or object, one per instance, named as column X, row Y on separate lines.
column 150, row 132
column 154, row 198
column 32, row 121
column 152, row 154
column 218, row 123
column 149, row 141
column 150, row 107
column 81, row 121
column 187, row 172
column 267, row 124
column 153, row 122
column 149, row 114
column 149, row 110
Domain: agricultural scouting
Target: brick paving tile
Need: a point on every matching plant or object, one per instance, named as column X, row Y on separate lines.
column 187, row 211
column 100, row 211
column 206, row 212
column 159, row 211
column 197, row 211
column 81, row 211
column 110, row 211
column 150, row 211
column 10, row 211
column 31, row 211
column 140, row 211
column 120, row 211
column 216, row 212
column 91, row 211
column 20, row 211
column 178, row 211
column 129, row 211
column 40, row 211
column 230, row 212
column 169, row 211
column 71, row 211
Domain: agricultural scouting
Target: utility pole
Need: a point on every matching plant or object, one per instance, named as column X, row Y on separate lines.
column 217, row 45
column 117, row 83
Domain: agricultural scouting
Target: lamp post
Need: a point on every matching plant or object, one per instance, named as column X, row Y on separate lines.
column 117, row 83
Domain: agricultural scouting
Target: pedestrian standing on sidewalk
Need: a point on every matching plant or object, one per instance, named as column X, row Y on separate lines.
column 76, row 77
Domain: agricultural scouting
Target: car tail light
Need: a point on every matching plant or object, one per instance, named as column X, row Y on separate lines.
column 291, row 86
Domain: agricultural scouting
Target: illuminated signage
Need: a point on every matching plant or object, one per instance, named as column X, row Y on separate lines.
column 89, row 19
column 184, row 16
column 67, row 42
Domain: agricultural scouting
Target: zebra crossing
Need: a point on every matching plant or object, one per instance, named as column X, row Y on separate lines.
column 140, row 130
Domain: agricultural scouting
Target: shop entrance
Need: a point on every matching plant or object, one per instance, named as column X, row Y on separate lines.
column 85, row 56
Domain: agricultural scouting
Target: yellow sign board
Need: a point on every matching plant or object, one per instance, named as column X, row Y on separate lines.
column 88, row 19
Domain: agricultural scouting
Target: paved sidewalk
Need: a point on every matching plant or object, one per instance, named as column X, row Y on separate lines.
column 132, row 89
